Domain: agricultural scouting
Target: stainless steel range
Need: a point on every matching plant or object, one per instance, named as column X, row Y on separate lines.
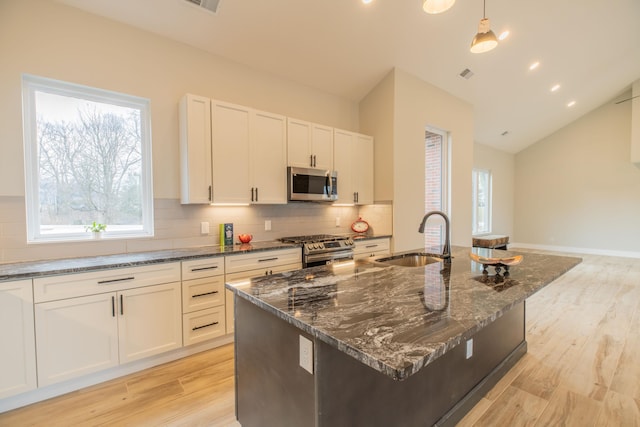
column 321, row 249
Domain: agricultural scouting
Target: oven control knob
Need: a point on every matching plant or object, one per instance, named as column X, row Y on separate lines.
column 309, row 246
column 319, row 246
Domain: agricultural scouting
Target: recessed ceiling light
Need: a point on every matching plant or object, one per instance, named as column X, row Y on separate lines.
column 555, row 87
column 366, row 1
column 534, row 65
column 571, row 103
column 503, row 35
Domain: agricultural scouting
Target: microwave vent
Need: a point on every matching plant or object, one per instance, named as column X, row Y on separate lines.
column 210, row 5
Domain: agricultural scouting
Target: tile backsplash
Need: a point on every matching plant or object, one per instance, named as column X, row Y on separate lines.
column 178, row 226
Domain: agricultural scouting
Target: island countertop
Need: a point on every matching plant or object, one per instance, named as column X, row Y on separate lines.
column 399, row 319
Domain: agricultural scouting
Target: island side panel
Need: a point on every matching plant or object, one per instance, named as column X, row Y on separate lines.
column 271, row 388
column 351, row 393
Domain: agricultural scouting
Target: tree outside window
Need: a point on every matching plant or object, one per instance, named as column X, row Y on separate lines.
column 87, row 159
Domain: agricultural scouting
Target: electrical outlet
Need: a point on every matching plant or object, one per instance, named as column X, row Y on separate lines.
column 337, row 221
column 204, row 228
column 306, row 354
column 267, row 225
column 469, row 348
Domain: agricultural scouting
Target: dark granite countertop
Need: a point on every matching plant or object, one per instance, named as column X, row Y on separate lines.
column 27, row 270
column 399, row 319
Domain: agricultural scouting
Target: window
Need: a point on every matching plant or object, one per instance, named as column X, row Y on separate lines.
column 87, row 158
column 436, row 188
column 481, row 201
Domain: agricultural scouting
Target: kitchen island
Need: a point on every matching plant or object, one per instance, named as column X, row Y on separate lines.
column 367, row 343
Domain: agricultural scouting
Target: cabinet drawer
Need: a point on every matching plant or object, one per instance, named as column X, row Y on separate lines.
column 81, row 284
column 370, row 246
column 205, row 267
column 203, row 325
column 199, row 294
column 262, row 260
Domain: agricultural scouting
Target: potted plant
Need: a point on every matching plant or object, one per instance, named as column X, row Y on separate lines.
column 96, row 228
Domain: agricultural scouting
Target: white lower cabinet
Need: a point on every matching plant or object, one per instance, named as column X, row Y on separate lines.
column 76, row 336
column 203, row 300
column 257, row 264
column 125, row 322
column 371, row 247
column 150, row 321
column 18, row 354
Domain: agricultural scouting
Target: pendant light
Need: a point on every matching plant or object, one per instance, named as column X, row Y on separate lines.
column 437, row 6
column 485, row 40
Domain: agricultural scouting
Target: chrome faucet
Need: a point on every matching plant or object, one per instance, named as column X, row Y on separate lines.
column 446, row 250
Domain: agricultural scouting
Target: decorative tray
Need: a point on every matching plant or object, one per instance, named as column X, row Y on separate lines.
column 497, row 262
column 506, row 261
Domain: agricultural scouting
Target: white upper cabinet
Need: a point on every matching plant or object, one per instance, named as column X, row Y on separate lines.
column 268, row 158
column 353, row 160
column 195, row 149
column 309, row 145
column 230, row 141
column 231, row 154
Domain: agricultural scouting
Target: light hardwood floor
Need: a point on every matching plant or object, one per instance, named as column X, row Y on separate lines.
column 582, row 369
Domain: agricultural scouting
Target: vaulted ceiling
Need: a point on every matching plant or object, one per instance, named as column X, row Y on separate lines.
column 344, row 47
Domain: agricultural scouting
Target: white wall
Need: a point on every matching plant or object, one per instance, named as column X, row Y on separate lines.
column 416, row 105
column 52, row 40
column 578, row 189
column 45, row 38
column 502, row 167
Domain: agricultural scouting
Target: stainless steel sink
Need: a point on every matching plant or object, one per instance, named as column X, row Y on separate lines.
column 414, row 259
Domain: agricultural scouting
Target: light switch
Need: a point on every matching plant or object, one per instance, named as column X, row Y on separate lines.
column 204, row 228
column 267, row 225
column 469, row 348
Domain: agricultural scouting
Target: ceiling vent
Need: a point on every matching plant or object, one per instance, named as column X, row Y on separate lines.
column 466, row 73
column 210, row 5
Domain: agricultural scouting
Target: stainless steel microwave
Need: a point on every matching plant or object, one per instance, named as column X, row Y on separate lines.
column 312, row 185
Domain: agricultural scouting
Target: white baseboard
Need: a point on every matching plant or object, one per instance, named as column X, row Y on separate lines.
column 65, row 387
column 573, row 250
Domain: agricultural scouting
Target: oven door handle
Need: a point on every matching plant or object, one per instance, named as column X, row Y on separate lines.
column 328, row 256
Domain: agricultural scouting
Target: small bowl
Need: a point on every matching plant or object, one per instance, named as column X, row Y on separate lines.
column 245, row 238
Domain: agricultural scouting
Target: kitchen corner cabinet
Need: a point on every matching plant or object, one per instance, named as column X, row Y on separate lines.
column 88, row 322
column 203, row 299
column 195, row 149
column 309, row 145
column 258, row 264
column 371, row 247
column 353, row 160
column 18, row 355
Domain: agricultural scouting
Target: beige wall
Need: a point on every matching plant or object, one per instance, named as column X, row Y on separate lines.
column 578, row 189
column 502, row 167
column 416, row 105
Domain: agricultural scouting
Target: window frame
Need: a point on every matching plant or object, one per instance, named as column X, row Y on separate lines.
column 32, row 84
column 474, row 194
column 445, row 176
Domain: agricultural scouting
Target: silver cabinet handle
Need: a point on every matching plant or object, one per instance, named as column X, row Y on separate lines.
column 256, row 194
column 268, row 259
column 204, row 326
column 371, row 246
column 113, row 306
column 210, row 194
column 204, row 294
column 311, row 160
column 121, row 305
column 124, row 279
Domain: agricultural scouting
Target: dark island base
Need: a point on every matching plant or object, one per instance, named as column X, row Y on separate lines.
column 273, row 390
